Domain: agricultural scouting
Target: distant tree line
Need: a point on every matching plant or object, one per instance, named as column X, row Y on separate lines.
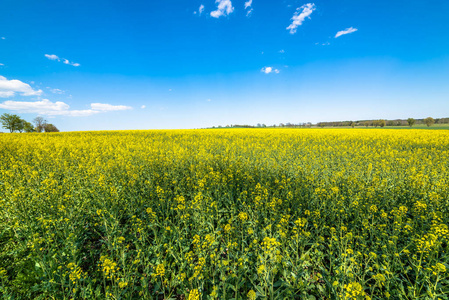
column 382, row 123
column 260, row 125
column 14, row 123
column 361, row 123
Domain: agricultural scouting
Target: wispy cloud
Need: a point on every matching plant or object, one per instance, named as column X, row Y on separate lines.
column 58, row 108
column 300, row 15
column 346, row 31
column 64, row 60
column 56, row 91
column 224, row 8
column 1, row 64
column 248, row 7
column 52, row 57
column 3, row 38
column 67, row 62
column 268, row 70
column 108, row 107
column 143, row 106
column 9, row 88
column 201, row 9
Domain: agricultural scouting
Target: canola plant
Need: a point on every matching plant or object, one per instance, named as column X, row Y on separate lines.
column 225, row 214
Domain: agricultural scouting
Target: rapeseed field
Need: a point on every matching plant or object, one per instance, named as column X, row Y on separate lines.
column 225, row 214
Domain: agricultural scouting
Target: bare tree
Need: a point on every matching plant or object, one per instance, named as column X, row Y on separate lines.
column 40, row 123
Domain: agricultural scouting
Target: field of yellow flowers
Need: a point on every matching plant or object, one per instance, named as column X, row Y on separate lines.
column 225, row 214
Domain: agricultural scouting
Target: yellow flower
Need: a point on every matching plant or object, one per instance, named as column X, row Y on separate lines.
column 160, row 270
column 194, row 295
column 440, row 267
column 251, row 295
column 243, row 216
column 214, row 292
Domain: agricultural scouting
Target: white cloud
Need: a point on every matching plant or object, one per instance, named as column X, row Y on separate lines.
column 282, row 51
column 56, row 91
column 58, row 108
column 300, row 15
column 108, row 107
column 9, row 88
column 143, row 107
column 346, row 31
column 1, row 64
column 3, row 38
column 248, row 6
column 201, row 9
column 64, row 60
column 224, row 8
column 67, row 62
column 52, row 57
column 268, row 70
column 44, row 106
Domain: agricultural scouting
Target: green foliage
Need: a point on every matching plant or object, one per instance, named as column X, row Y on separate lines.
column 14, row 123
column 411, row 122
column 11, row 122
column 429, row 121
column 50, row 128
column 28, row 127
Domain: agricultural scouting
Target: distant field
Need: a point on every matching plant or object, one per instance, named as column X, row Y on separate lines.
column 225, row 214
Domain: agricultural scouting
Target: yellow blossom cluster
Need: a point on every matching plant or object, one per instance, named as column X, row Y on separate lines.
column 226, row 213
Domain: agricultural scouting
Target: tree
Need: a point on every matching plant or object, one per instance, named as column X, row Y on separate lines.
column 11, row 122
column 40, row 123
column 411, row 122
column 429, row 121
column 28, row 127
column 50, row 128
column 20, row 126
column 381, row 122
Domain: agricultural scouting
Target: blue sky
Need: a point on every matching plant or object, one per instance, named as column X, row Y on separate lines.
column 96, row 65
